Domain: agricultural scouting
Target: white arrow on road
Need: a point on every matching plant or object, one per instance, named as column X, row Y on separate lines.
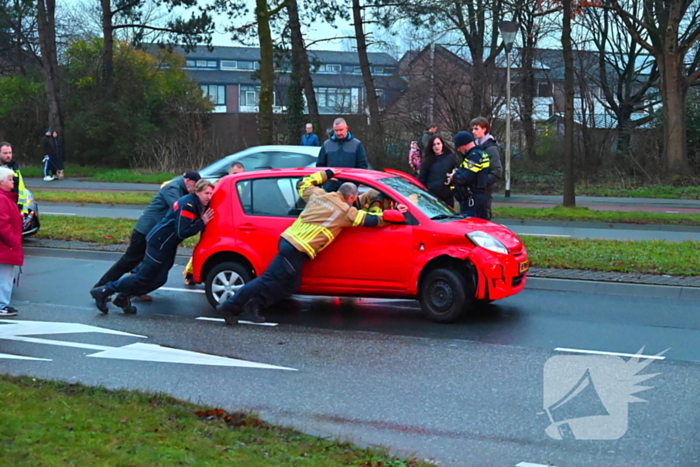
column 17, row 330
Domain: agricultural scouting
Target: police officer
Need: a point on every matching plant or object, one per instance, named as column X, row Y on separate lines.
column 323, row 218
column 187, row 218
column 470, row 178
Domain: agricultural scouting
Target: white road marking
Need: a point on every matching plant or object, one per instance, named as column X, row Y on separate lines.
column 541, row 235
column 530, row 464
column 44, row 213
column 673, row 212
column 175, row 289
column 156, row 353
column 617, row 354
column 20, row 357
column 221, row 320
column 18, row 330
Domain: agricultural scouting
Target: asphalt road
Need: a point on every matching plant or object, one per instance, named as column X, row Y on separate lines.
column 524, row 228
column 375, row 372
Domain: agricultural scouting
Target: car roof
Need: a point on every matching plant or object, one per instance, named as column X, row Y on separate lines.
column 359, row 174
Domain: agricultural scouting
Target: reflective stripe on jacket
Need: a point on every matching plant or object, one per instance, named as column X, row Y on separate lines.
column 325, row 216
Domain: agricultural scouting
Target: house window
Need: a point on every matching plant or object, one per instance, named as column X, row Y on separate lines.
column 544, row 90
column 330, row 68
column 216, row 93
column 245, row 65
column 357, row 70
column 379, row 70
column 211, row 64
column 337, row 99
column 228, row 64
column 202, row 63
column 250, row 96
column 190, row 63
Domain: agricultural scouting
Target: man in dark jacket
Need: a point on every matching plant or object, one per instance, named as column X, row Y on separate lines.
column 470, row 178
column 161, row 204
column 487, row 143
column 187, row 218
column 48, row 146
column 310, row 138
column 342, row 149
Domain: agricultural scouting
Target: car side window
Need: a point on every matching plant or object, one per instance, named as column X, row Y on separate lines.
column 272, row 197
column 290, row 160
column 257, row 161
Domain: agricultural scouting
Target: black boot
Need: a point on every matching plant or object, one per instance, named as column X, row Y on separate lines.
column 124, row 302
column 101, row 294
column 229, row 312
column 251, row 312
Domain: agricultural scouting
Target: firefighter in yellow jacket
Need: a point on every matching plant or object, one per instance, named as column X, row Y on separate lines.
column 323, row 219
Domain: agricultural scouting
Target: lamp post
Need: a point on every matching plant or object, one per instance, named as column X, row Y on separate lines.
column 508, row 30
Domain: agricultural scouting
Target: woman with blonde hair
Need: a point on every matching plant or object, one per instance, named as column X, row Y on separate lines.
column 11, row 253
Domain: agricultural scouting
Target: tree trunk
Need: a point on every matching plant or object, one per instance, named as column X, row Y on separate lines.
column 267, row 73
column 107, row 48
column 674, row 89
column 299, row 53
column 46, row 14
column 569, row 189
column 528, row 93
column 377, row 133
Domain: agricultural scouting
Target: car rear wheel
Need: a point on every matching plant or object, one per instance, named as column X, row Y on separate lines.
column 444, row 295
column 225, row 280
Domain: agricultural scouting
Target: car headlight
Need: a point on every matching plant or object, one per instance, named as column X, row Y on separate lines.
column 487, row 242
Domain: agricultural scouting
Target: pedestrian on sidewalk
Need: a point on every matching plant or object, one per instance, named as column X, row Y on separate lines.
column 310, row 138
column 187, row 218
column 487, row 143
column 161, row 204
column 11, row 253
column 48, row 147
column 60, row 155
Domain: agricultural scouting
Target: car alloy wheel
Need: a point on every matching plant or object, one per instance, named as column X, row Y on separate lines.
column 224, row 281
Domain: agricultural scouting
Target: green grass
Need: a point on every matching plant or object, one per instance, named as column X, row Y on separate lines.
column 93, row 197
column 561, row 213
column 56, row 424
column 653, row 257
column 644, row 257
column 96, row 174
column 652, row 191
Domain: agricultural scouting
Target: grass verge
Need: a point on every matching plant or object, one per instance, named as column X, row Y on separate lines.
column 644, row 257
column 581, row 214
column 53, row 423
column 97, row 174
column 92, row 197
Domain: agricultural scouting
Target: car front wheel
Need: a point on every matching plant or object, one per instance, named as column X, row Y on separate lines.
column 224, row 281
column 444, row 295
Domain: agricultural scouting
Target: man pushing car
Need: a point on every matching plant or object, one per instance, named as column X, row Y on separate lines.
column 325, row 216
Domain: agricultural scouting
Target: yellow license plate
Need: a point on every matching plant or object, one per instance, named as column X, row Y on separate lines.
column 524, row 266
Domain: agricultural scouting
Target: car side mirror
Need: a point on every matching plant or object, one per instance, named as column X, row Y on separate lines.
column 393, row 215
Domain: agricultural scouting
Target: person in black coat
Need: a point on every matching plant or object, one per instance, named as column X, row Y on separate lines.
column 438, row 161
column 59, row 161
column 48, row 147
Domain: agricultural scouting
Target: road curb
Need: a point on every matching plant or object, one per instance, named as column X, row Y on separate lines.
column 614, row 288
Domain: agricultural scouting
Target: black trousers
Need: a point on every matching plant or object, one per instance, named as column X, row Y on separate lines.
column 151, row 275
column 489, row 200
column 477, row 209
column 130, row 259
column 279, row 281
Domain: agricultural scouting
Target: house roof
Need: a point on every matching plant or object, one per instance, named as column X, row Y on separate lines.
column 324, row 56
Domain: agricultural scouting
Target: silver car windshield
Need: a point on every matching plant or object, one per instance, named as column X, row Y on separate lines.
column 427, row 203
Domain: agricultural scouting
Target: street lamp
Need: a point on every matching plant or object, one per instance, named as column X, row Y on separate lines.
column 508, row 30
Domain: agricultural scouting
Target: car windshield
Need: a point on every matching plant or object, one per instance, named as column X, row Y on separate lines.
column 427, row 203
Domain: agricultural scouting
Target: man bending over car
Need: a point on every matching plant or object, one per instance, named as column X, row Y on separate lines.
column 325, row 216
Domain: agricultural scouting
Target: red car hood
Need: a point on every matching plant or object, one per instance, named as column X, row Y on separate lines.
column 500, row 232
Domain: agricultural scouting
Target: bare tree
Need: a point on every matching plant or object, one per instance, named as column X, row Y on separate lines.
column 673, row 28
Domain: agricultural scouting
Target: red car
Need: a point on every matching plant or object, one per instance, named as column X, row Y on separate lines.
column 433, row 254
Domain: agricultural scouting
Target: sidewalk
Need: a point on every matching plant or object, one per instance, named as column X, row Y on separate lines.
column 35, row 247
column 686, row 206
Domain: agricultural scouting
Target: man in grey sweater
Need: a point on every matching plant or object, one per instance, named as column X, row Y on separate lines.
column 154, row 213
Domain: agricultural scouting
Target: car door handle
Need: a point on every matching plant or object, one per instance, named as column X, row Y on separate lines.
column 247, row 227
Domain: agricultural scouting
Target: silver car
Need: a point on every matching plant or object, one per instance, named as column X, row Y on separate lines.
column 264, row 157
